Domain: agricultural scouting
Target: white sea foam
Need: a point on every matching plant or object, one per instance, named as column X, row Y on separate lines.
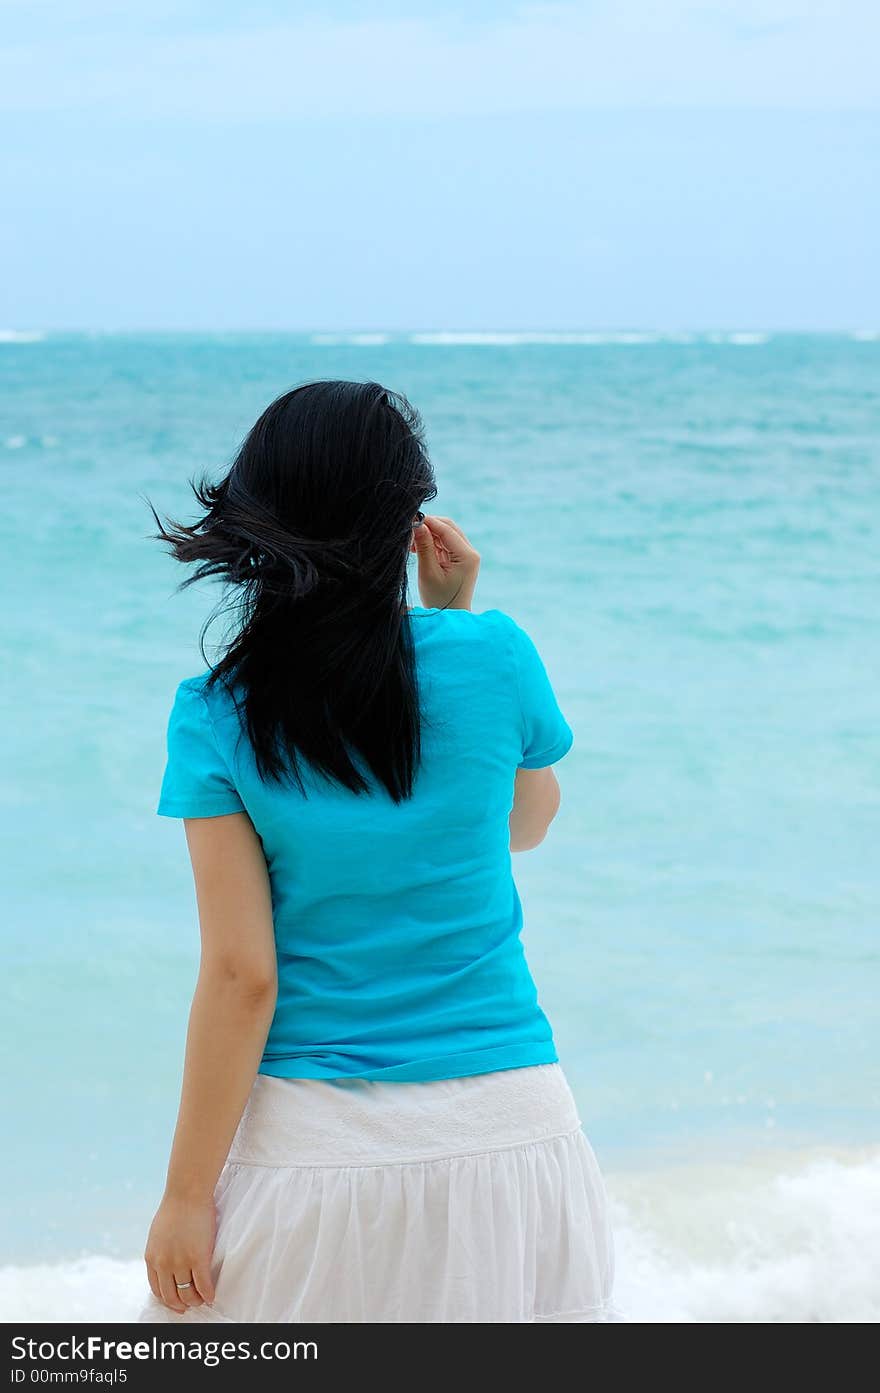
column 789, row 1240
column 514, row 338
column 511, row 339
column 18, row 442
column 779, row 1240
column 865, row 335
column 623, row 337
column 21, row 336
column 357, row 340
column 741, row 337
column 91, row 1288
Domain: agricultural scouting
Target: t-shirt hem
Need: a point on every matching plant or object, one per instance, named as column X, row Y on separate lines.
column 421, row 1071
column 548, row 757
column 170, row 808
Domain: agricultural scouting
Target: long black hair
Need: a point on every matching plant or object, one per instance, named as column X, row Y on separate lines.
column 311, row 527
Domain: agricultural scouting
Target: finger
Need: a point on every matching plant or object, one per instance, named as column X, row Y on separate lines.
column 168, row 1293
column 450, row 522
column 187, row 1289
column 422, row 537
column 203, row 1280
column 455, row 542
column 429, row 549
column 154, row 1282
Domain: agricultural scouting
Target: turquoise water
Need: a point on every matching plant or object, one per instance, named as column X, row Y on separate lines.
column 690, row 531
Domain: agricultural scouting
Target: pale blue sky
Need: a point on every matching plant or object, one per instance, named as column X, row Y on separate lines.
column 594, row 164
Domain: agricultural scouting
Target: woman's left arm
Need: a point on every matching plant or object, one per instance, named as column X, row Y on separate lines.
column 231, row 1013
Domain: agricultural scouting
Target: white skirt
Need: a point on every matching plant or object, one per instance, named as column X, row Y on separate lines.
column 469, row 1199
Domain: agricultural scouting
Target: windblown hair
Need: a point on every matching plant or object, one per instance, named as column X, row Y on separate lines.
column 311, row 527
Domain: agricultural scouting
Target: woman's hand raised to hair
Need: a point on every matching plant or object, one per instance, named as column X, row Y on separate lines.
column 448, row 564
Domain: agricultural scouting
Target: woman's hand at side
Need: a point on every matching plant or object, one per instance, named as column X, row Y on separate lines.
column 448, row 564
column 179, row 1250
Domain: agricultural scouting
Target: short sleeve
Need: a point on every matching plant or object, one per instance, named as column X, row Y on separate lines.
column 546, row 735
column 197, row 782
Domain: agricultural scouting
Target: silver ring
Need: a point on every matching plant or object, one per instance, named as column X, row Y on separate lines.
column 182, row 1286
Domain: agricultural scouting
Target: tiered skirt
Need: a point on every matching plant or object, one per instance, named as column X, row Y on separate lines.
column 473, row 1199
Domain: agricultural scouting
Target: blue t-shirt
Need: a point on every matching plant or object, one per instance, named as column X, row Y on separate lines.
column 397, row 925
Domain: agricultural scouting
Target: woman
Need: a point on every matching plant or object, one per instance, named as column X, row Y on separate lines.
column 373, row 1124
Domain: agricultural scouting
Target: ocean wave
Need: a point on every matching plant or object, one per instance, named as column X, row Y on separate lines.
column 865, row 335
column 18, row 442
column 790, row 1240
column 515, row 338
column 21, row 336
column 785, row 1240
column 86, row 1289
column 512, row 339
column 742, row 337
column 357, row 340
column 622, row 337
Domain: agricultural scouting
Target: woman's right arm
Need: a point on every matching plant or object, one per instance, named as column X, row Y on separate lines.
column 536, row 801
column 448, row 568
column 231, row 1013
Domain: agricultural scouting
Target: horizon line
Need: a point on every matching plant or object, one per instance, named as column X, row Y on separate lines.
column 420, row 333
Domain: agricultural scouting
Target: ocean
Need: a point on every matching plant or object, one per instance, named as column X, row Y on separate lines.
column 688, row 526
